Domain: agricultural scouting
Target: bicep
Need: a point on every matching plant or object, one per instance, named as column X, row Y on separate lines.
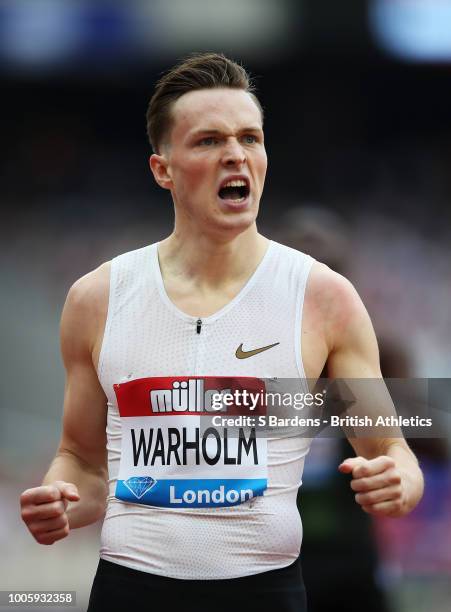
column 84, row 420
column 354, row 352
column 85, row 403
column 354, row 359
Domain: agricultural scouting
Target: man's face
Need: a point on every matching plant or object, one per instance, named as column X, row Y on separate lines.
column 216, row 159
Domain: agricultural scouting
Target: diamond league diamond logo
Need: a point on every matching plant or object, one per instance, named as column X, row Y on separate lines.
column 139, row 485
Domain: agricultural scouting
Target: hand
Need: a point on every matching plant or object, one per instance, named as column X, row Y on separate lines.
column 378, row 485
column 43, row 510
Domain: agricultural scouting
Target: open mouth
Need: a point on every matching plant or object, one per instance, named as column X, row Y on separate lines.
column 236, row 190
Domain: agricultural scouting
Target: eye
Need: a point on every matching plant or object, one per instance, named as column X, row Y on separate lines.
column 208, row 141
column 249, row 139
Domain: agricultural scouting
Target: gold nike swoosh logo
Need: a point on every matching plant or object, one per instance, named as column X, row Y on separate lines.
column 240, row 354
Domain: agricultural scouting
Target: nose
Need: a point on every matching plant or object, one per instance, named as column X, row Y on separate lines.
column 234, row 154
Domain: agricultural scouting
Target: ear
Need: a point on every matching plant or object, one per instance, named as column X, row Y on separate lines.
column 160, row 170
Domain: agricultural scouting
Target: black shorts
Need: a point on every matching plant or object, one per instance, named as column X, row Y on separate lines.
column 119, row 588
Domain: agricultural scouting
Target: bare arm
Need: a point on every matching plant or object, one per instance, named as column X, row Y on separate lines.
column 386, row 476
column 74, row 490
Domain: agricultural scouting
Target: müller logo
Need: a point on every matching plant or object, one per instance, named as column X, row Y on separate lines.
column 187, row 396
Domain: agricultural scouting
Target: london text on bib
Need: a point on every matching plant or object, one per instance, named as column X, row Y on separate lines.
column 170, row 458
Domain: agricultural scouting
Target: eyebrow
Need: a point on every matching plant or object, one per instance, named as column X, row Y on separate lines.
column 215, row 131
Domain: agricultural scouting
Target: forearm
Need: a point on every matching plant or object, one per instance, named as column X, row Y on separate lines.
column 411, row 474
column 92, row 486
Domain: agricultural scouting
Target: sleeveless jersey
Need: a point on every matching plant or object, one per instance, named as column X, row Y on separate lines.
column 184, row 503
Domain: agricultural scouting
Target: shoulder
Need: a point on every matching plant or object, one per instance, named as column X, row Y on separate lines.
column 331, row 291
column 85, row 309
column 337, row 301
column 90, row 291
column 89, row 294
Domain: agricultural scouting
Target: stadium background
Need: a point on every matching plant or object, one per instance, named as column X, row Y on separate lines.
column 358, row 133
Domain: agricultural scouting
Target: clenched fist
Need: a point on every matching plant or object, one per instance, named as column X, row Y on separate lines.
column 43, row 510
column 377, row 483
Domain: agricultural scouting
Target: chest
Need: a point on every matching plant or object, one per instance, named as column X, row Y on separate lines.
column 198, row 302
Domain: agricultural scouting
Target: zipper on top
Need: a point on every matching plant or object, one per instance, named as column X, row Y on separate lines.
column 198, row 346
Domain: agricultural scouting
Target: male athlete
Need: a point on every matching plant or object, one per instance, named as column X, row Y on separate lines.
column 192, row 519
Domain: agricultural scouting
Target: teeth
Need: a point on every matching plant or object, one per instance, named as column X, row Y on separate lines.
column 239, row 183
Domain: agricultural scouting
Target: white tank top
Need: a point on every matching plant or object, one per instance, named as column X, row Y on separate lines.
column 177, row 515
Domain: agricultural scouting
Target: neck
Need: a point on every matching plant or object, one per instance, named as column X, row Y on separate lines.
column 208, row 262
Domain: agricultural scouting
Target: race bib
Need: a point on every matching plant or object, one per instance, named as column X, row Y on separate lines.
column 178, row 450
